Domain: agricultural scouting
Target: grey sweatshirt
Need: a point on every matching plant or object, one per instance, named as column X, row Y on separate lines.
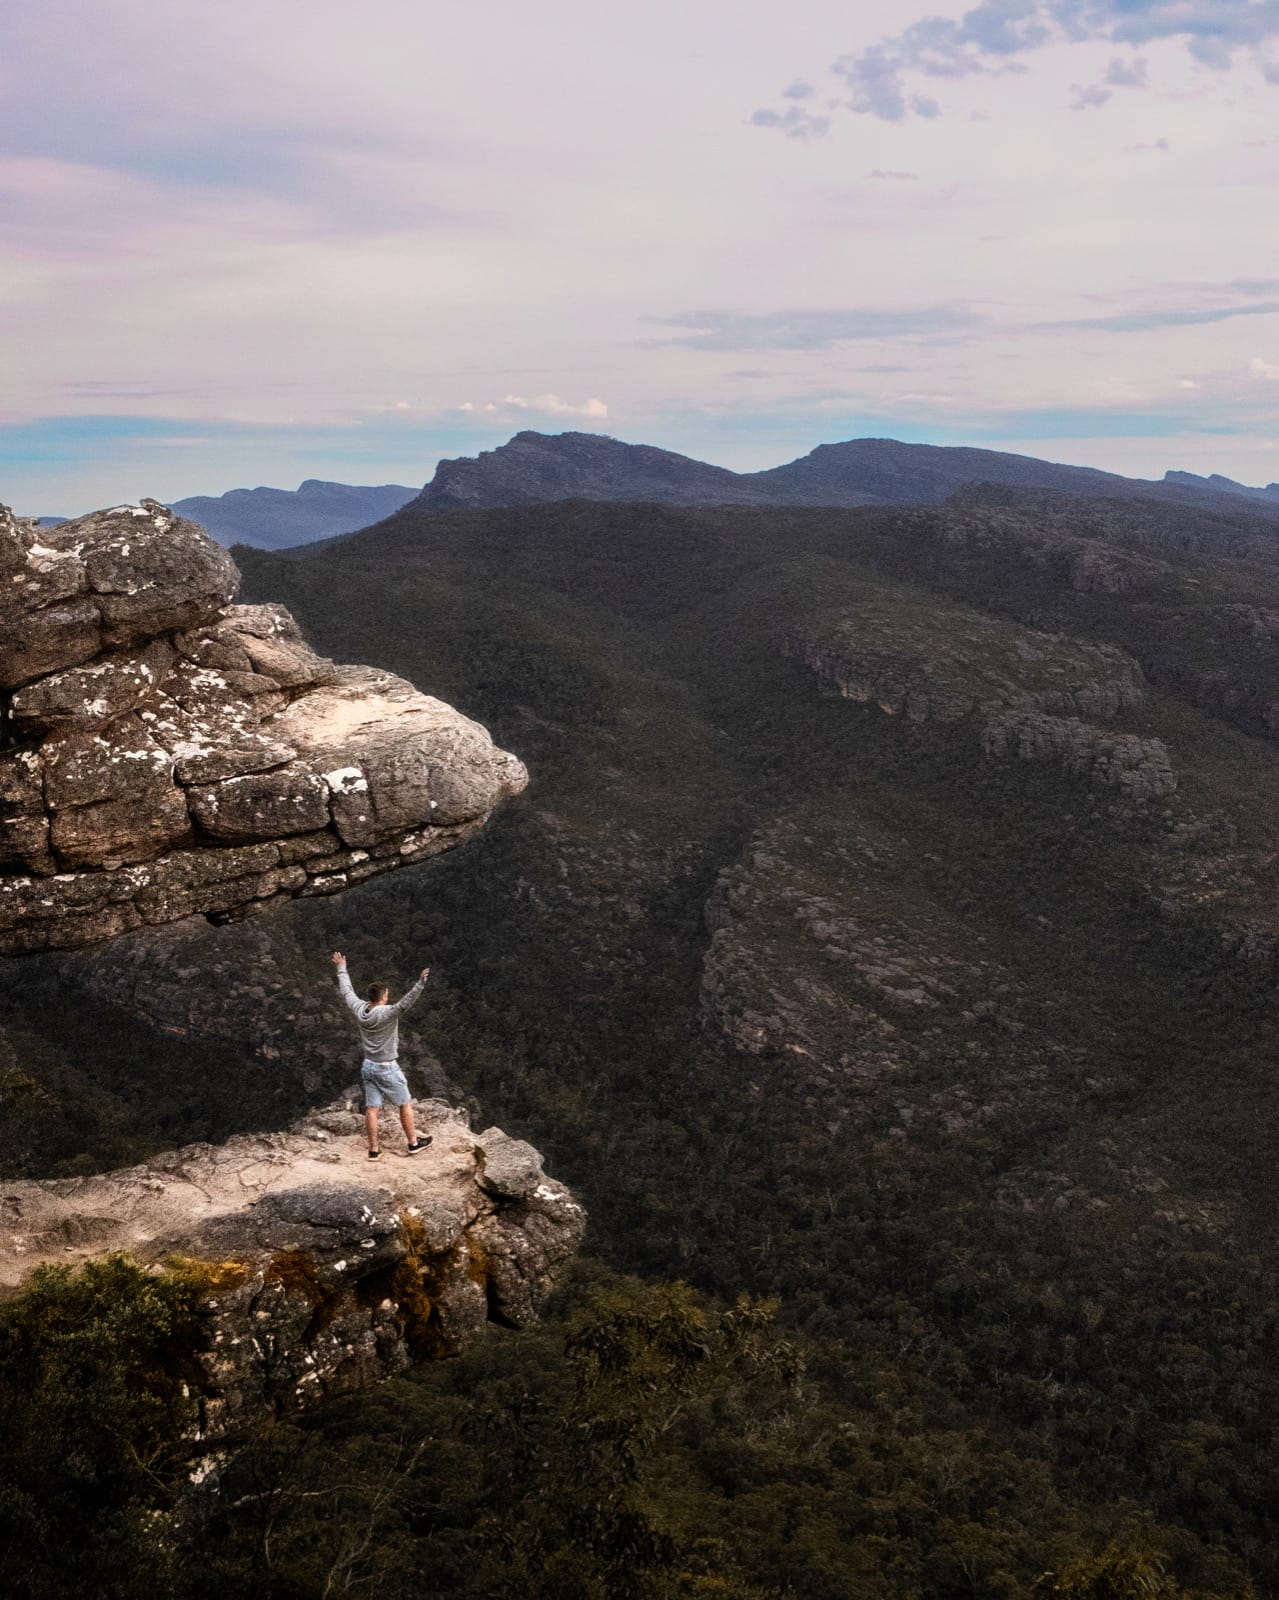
column 379, row 1025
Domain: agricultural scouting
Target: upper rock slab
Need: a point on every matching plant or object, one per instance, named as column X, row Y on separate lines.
column 102, row 582
column 164, row 753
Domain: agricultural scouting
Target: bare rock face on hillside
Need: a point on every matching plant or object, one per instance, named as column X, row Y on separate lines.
column 165, row 753
column 326, row 1271
column 824, row 948
column 943, row 663
column 1029, row 695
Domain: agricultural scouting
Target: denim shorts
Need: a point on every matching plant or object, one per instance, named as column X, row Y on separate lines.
column 384, row 1084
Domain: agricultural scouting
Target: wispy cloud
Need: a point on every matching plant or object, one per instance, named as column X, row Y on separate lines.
column 550, row 405
column 883, row 80
column 129, row 100
column 811, row 330
column 1168, row 317
column 794, row 122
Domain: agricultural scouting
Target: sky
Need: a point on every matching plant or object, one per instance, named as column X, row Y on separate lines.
column 248, row 243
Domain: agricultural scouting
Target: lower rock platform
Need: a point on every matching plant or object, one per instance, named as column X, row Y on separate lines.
column 326, row 1271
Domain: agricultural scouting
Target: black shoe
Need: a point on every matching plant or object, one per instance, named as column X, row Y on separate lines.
column 421, row 1144
column 374, row 1154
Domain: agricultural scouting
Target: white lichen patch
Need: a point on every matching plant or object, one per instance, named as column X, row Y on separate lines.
column 346, row 780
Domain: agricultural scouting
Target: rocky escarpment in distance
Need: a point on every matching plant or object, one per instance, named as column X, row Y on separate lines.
column 165, row 753
column 819, row 949
column 326, row 1272
column 1199, row 852
column 943, row 663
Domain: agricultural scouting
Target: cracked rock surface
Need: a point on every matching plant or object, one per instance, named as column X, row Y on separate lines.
column 164, row 752
column 327, row 1271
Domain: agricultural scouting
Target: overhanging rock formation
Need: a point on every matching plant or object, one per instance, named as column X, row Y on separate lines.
column 325, row 1271
column 165, row 753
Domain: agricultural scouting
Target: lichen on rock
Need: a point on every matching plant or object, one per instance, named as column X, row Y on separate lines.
column 165, row 753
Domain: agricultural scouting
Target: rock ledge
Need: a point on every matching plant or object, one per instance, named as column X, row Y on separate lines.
column 165, row 753
column 327, row 1271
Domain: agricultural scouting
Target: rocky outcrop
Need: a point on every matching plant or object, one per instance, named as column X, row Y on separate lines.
column 931, row 661
column 1027, row 694
column 1140, row 769
column 325, row 1271
column 825, row 946
column 164, row 752
column 1230, row 669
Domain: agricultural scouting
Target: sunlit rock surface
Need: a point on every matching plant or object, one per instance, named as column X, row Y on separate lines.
column 327, row 1271
column 165, row 753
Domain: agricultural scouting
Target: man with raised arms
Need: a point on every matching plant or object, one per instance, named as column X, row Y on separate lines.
column 380, row 1075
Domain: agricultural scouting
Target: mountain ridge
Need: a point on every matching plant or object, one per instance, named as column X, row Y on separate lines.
column 533, row 468
column 270, row 519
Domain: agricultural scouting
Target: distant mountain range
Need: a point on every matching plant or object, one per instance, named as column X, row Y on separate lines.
column 274, row 518
column 537, row 467
column 1220, row 485
column 534, row 468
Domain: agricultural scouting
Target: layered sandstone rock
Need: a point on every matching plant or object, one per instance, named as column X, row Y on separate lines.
column 164, row 752
column 325, row 1271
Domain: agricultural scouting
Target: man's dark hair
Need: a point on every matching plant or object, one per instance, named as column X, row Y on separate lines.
column 376, row 993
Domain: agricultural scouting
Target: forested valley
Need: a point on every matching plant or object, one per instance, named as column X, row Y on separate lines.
column 884, row 952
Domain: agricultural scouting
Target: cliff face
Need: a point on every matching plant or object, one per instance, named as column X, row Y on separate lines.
column 1032, row 695
column 164, row 752
column 326, row 1271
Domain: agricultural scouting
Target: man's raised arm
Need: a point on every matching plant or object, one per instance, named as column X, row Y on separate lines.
column 406, row 1000
column 353, row 1001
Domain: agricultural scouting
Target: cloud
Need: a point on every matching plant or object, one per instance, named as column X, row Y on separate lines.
column 1264, row 369
column 794, row 122
column 130, row 94
column 1128, row 74
column 551, row 405
column 882, row 80
column 811, row 330
column 554, row 407
column 881, row 172
column 1121, row 74
column 1170, row 317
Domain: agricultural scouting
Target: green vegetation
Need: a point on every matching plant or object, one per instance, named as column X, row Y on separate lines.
column 96, row 1393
